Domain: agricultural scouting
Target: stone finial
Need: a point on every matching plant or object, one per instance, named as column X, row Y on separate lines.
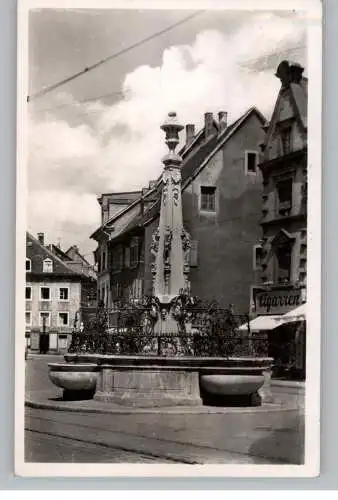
column 289, row 72
column 171, row 127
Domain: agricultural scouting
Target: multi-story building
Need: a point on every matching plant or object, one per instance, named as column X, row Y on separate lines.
column 221, row 200
column 280, row 255
column 54, row 294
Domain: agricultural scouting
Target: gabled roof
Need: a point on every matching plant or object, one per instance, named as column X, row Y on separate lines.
column 57, row 251
column 297, row 93
column 198, row 163
column 37, row 253
column 192, row 166
column 75, row 249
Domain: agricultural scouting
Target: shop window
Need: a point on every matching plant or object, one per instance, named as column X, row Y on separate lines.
column 28, row 265
column 251, row 162
column 284, row 191
column 28, row 293
column 63, row 319
column 64, row 293
column 44, row 318
column 47, row 266
column 28, row 318
column 208, row 198
column 283, row 258
column 257, row 257
column 45, row 293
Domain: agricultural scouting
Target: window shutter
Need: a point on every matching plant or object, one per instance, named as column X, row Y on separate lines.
column 194, row 253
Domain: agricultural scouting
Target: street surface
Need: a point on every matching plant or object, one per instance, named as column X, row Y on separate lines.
column 240, row 437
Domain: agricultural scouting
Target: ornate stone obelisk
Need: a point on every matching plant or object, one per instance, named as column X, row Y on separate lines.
column 171, row 243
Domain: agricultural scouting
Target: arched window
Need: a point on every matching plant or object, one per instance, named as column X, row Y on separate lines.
column 47, row 266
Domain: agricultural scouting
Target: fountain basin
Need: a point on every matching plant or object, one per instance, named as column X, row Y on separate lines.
column 78, row 381
column 146, row 381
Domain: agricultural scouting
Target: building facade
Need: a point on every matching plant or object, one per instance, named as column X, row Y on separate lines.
column 54, row 294
column 280, row 257
column 221, row 200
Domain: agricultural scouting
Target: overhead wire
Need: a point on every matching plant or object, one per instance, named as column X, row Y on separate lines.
column 129, row 91
column 112, row 56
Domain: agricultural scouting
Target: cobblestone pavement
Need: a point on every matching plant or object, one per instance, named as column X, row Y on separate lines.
column 257, row 437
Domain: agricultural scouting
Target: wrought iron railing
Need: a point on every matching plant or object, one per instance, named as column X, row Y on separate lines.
column 168, row 344
column 138, row 328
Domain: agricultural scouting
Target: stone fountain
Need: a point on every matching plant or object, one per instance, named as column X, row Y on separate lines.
column 175, row 374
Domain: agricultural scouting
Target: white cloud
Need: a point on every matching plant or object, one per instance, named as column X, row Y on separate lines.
column 120, row 147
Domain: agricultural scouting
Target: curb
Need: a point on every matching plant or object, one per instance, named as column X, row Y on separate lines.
column 203, row 410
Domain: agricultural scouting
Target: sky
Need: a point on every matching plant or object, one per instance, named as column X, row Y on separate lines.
column 217, row 61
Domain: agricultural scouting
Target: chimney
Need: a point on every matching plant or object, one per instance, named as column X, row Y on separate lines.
column 296, row 71
column 208, row 124
column 41, row 238
column 189, row 134
column 222, row 120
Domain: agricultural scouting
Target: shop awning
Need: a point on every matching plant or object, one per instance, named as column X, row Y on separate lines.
column 263, row 323
column 298, row 314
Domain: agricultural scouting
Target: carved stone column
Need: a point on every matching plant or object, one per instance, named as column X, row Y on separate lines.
column 171, row 242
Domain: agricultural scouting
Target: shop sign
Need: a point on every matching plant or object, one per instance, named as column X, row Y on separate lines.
column 277, row 302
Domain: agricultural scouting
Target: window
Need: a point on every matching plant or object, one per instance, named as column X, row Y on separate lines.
column 257, row 257
column 285, row 136
column 44, row 318
column 134, row 253
column 45, row 293
column 28, row 318
column 28, row 293
column 284, row 190
column 103, row 261
column 47, row 266
column 283, row 254
column 251, row 162
column 63, row 319
column 194, row 253
column 117, row 258
column 28, row 265
column 63, row 293
column 208, row 198
column 127, row 257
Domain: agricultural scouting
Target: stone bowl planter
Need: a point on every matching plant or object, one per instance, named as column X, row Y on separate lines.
column 231, row 389
column 78, row 381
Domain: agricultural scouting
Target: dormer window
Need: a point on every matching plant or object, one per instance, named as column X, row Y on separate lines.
column 47, row 266
column 285, row 138
column 28, row 265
